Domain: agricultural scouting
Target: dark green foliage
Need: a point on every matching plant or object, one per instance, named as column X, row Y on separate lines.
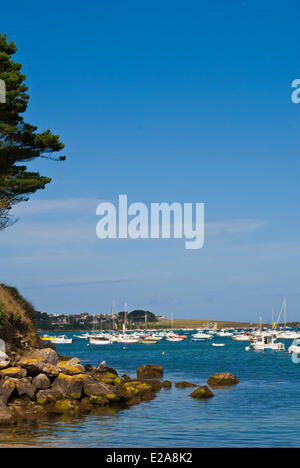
column 137, row 316
column 19, row 141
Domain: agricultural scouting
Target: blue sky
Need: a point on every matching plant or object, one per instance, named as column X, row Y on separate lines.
column 162, row 101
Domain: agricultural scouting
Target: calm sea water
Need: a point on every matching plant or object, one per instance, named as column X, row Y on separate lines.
column 262, row 411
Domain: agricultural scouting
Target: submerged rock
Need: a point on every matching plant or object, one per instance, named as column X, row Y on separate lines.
column 167, row 384
column 136, row 391
column 150, row 371
column 6, row 415
column 66, row 407
column 155, row 385
column 184, row 385
column 222, row 378
column 202, row 392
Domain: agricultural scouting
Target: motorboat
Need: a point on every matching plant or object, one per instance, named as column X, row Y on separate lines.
column 174, row 338
column 85, row 336
column 295, row 347
column 61, row 340
column 241, row 337
column 267, row 343
column 127, row 339
column 224, row 333
column 199, row 336
column 288, row 335
column 218, row 345
column 100, row 340
column 47, row 338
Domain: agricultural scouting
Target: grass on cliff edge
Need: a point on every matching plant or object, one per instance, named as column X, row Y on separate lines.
column 16, row 317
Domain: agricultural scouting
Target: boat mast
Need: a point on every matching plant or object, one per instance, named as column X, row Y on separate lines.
column 125, row 318
column 284, row 301
column 113, row 313
column 260, row 324
column 283, row 306
column 94, row 323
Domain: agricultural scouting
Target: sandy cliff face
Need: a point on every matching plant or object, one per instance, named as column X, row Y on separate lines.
column 17, row 315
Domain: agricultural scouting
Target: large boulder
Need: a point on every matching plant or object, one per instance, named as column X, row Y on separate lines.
column 4, row 364
column 69, row 386
column 49, row 356
column 66, row 406
column 73, row 362
column 106, row 377
column 136, row 391
column 70, row 369
column 4, row 360
column 41, row 382
column 7, row 389
column 99, row 392
column 184, row 384
column 50, row 371
column 26, row 387
column 202, row 392
column 14, row 372
column 3, row 355
column 222, row 378
column 150, row 371
column 102, row 368
column 48, row 397
column 33, row 366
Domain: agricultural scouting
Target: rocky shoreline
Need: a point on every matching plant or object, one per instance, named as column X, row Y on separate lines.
column 37, row 383
column 42, row 384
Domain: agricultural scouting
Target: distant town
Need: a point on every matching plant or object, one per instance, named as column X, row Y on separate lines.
column 87, row 321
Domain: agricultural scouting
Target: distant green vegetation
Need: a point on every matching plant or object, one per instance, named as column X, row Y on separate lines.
column 138, row 316
column 192, row 323
column 135, row 318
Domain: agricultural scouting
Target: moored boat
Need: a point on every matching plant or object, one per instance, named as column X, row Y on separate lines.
column 100, row 340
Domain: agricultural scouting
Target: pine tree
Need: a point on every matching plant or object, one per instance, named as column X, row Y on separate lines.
column 19, row 141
